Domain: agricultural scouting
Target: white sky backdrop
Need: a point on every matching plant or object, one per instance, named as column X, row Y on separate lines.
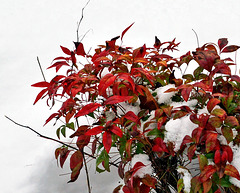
column 37, row 28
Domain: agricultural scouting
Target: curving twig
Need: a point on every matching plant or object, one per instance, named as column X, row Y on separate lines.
column 80, row 21
column 46, row 137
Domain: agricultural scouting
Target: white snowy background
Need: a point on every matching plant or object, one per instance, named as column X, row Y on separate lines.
column 37, row 28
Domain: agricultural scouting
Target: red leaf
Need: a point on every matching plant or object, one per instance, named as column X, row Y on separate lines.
column 206, row 58
column 76, row 158
column 207, row 172
column 186, row 92
column 107, row 141
column 80, row 131
column 231, row 48
column 105, row 82
column 128, row 78
column 235, row 78
column 126, row 31
column 207, row 185
column 63, row 156
column 211, row 142
column 41, row 84
column 116, row 130
column 58, row 65
column 76, row 163
column 231, row 171
column 229, row 152
column 222, row 43
column 144, row 72
column 40, row 95
column 80, row 50
column 51, row 117
column 212, row 103
column 186, row 139
column 191, row 151
column 117, row 99
column 128, row 147
column 82, row 141
column 89, row 108
column 66, row 50
column 217, row 156
column 196, row 134
column 220, row 113
column 131, row 116
column 231, row 121
column 94, row 131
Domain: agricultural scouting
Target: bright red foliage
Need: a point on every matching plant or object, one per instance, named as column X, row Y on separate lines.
column 119, row 89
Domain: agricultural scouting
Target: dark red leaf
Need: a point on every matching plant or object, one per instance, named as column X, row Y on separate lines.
column 222, row 42
column 231, row 48
column 63, row 156
column 80, row 131
column 235, row 78
column 126, row 31
column 76, row 163
column 66, row 50
column 80, row 50
column 82, row 141
column 89, row 108
column 117, row 99
column 107, row 140
column 206, row 58
column 94, row 131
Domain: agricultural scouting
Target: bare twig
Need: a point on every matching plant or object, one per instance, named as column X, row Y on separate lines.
column 196, row 37
column 52, row 139
column 80, row 21
column 86, row 169
column 41, row 69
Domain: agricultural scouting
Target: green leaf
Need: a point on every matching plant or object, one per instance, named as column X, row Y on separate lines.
column 58, row 132
column 63, row 131
column 197, row 72
column 180, row 185
column 103, row 157
column 155, row 132
column 227, row 133
column 70, row 126
column 225, row 181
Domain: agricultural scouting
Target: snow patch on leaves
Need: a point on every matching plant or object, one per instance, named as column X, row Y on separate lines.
column 165, row 97
column 147, row 169
column 186, row 179
column 235, row 163
column 177, row 129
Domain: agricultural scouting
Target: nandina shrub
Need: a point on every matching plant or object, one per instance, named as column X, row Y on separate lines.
column 163, row 133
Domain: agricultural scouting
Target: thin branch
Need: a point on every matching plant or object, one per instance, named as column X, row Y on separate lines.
column 196, row 37
column 87, row 174
column 41, row 69
column 80, row 21
column 52, row 139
